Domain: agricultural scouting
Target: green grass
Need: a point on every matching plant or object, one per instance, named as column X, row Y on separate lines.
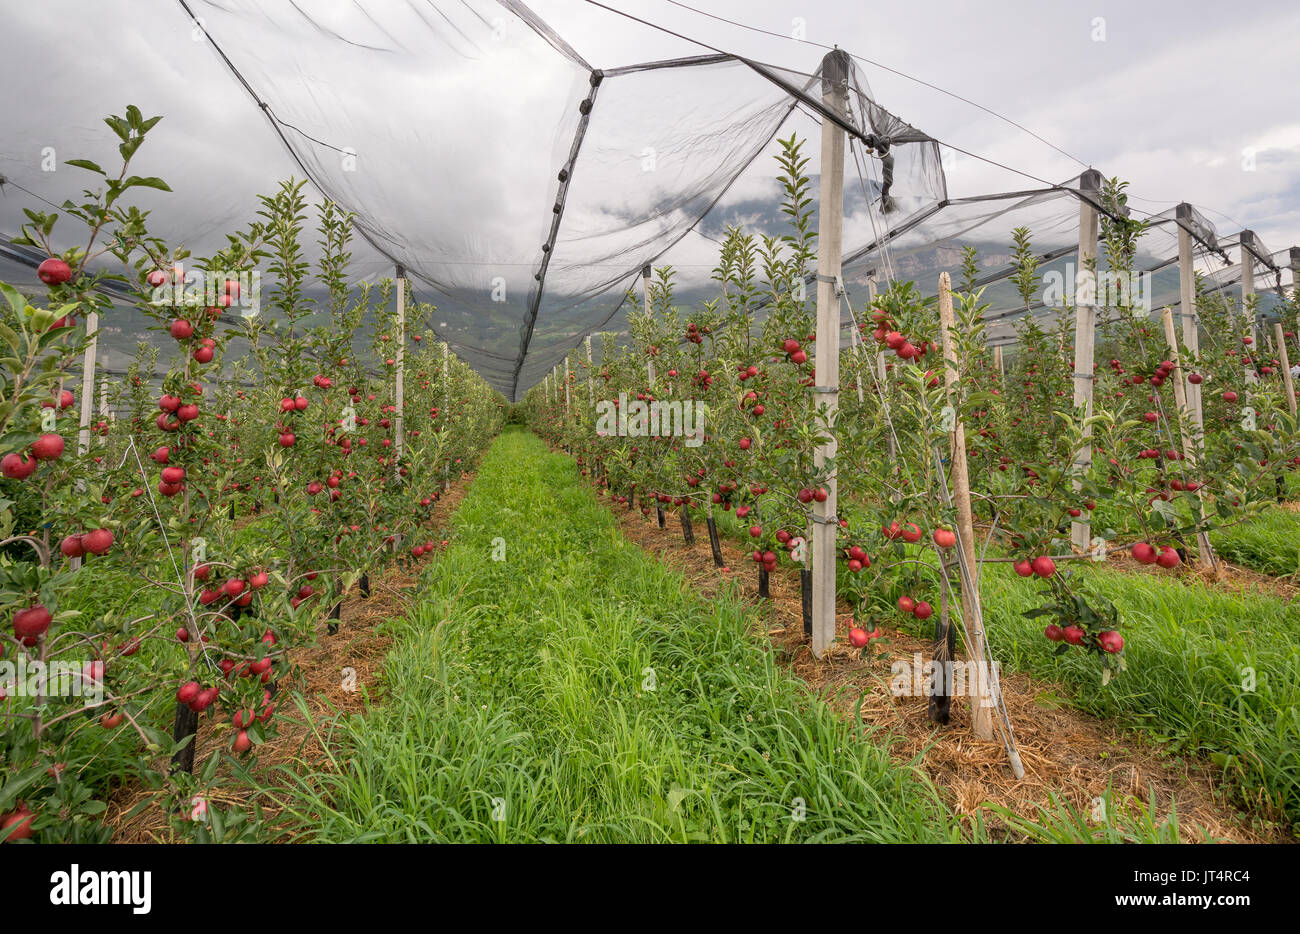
column 1269, row 542
column 1210, row 673
column 579, row 691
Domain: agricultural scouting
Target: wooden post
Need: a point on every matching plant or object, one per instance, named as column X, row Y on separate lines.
column 1191, row 321
column 1190, row 441
column 981, row 702
column 1285, row 359
column 1247, row 292
column 567, row 402
column 399, row 439
column 1085, row 332
column 830, row 230
column 88, row 382
column 998, row 365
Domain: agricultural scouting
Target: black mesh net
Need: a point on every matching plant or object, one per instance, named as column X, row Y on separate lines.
column 520, row 188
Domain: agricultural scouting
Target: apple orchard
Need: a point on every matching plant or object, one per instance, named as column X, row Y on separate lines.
column 181, row 552
column 183, row 549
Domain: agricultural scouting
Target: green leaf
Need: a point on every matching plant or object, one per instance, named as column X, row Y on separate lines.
column 17, row 784
column 16, row 300
column 85, row 164
column 148, row 181
column 119, row 126
column 210, row 769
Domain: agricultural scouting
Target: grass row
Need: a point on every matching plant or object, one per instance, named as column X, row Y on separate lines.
column 578, row 691
column 1209, row 673
column 1269, row 543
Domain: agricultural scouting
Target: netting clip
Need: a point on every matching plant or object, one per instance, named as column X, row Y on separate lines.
column 833, row 280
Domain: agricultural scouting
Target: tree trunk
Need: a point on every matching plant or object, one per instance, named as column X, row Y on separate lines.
column 805, row 592
column 940, row 704
column 762, row 582
column 714, row 544
column 688, row 533
column 659, row 514
column 335, row 615
column 185, row 724
column 364, row 584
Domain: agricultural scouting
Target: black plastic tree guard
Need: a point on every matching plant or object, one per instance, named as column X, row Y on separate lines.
column 715, row 544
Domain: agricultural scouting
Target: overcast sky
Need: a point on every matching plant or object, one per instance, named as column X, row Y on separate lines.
column 1189, row 100
column 1172, row 95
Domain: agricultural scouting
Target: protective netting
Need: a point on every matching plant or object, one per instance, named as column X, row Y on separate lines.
column 521, row 184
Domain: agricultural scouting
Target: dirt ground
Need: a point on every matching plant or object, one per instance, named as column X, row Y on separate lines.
column 1064, row 751
column 359, row 645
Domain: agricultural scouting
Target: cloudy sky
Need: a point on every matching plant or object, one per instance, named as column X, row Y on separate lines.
column 1173, row 95
column 459, row 116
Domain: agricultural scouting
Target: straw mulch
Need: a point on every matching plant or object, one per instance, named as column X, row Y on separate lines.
column 360, row 645
column 1229, row 577
column 1064, row 751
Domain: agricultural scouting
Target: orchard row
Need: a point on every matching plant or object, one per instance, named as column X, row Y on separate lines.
column 177, row 551
column 1145, row 474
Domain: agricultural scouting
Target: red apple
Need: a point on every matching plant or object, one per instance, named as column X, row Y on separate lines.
column 54, row 271
column 47, row 447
